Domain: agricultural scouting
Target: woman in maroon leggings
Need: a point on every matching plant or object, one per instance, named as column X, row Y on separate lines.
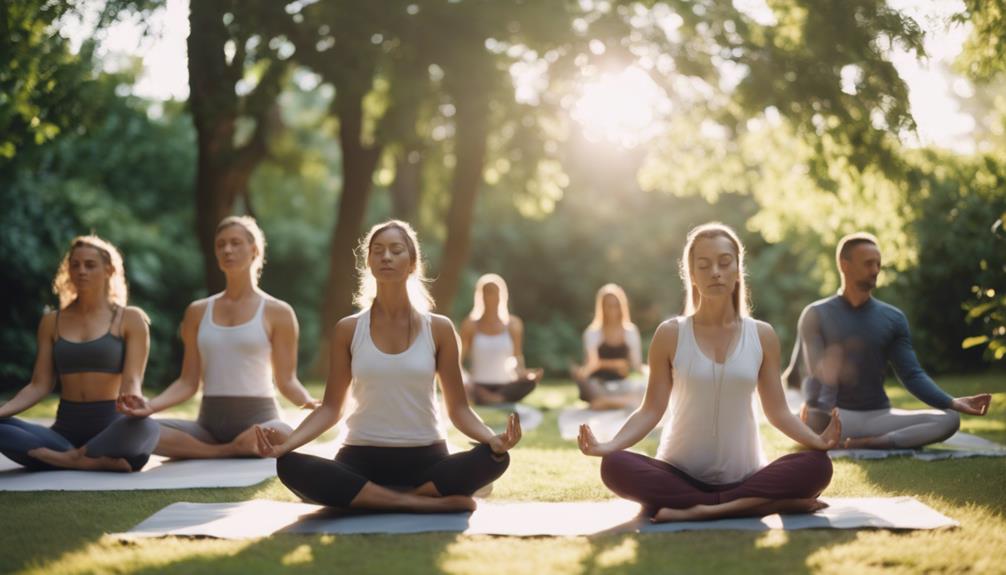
column 708, row 364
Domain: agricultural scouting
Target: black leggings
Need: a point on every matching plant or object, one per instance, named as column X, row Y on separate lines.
column 336, row 483
column 94, row 424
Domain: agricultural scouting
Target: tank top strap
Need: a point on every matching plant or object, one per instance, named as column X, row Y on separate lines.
column 361, row 331
column 208, row 312
column 686, row 338
column 57, row 323
column 120, row 312
column 426, row 325
column 260, row 312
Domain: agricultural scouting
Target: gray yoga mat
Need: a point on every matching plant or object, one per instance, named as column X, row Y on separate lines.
column 159, row 473
column 261, row 518
column 960, row 445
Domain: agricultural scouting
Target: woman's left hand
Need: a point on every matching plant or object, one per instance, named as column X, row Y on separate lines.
column 833, row 433
column 503, row 442
column 311, row 403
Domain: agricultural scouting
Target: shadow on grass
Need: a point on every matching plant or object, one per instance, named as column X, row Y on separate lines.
column 976, row 480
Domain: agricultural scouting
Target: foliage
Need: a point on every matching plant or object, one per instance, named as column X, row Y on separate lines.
column 125, row 178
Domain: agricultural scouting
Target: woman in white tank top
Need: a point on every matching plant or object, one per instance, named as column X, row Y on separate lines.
column 708, row 364
column 384, row 365
column 242, row 345
column 492, row 339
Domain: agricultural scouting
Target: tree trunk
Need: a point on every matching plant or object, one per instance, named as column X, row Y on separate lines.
column 472, row 129
column 223, row 169
column 407, row 187
column 359, row 163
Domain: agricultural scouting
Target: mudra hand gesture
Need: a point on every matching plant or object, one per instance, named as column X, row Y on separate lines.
column 269, row 442
column 502, row 443
column 133, row 405
column 832, row 434
column 589, row 445
column 973, row 404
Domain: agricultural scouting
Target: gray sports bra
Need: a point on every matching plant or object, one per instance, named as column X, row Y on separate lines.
column 105, row 354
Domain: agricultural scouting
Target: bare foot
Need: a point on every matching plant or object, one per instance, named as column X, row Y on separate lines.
column 76, row 459
column 456, row 503
column 666, row 514
column 795, row 506
column 246, row 444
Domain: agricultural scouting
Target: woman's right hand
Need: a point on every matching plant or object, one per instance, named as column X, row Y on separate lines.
column 268, row 445
column 133, row 406
column 589, row 445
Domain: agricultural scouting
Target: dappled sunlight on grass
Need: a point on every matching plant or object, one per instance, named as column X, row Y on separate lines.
column 482, row 556
column 108, row 555
column 771, row 539
column 622, row 554
column 300, row 555
column 977, row 546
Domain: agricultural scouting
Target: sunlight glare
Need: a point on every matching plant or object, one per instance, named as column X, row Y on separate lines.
column 624, row 108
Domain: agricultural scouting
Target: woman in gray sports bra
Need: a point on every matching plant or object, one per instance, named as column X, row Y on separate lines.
column 97, row 347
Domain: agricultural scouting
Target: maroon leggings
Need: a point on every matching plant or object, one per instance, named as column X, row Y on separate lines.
column 656, row 484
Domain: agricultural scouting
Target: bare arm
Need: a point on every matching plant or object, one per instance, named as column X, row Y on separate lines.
column 283, row 341
column 658, row 392
column 458, row 409
column 449, row 371
column 136, row 332
column 517, row 337
column 773, row 399
column 43, row 377
column 340, row 376
column 187, row 383
column 467, row 333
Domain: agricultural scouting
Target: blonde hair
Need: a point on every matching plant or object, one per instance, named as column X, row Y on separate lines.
column 115, row 288
column 623, row 303
column 419, row 293
column 479, row 305
column 255, row 234
column 742, row 305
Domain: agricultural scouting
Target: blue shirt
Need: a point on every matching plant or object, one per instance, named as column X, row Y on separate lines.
column 844, row 351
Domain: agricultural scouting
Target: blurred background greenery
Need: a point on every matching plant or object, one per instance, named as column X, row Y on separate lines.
column 562, row 145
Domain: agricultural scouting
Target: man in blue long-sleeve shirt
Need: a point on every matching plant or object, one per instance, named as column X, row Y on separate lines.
column 844, row 344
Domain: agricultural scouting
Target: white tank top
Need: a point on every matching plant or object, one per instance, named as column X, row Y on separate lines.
column 492, row 358
column 393, row 397
column 236, row 360
column 713, row 433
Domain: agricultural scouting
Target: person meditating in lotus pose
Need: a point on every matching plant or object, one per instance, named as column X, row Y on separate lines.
column 709, row 363
column 241, row 344
column 492, row 337
column 386, row 359
column 97, row 347
column 844, row 344
column 612, row 351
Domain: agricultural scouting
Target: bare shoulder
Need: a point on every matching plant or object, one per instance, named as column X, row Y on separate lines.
column 441, row 325
column 766, row 333
column 345, row 327
column 135, row 318
column 47, row 325
column 665, row 338
column 467, row 325
column 197, row 308
column 278, row 310
column 516, row 323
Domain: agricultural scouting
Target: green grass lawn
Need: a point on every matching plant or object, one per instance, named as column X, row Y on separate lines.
column 53, row 532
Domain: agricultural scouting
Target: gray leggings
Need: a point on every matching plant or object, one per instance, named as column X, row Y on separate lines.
column 94, row 425
column 904, row 428
column 222, row 418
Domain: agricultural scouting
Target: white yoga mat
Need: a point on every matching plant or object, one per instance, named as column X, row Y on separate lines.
column 159, row 473
column 261, row 518
column 959, row 445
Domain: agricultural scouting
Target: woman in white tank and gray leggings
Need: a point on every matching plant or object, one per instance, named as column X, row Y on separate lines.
column 237, row 343
column 387, row 359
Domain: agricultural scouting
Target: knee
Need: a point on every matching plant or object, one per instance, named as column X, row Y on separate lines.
column 614, row 470
column 817, row 472
column 951, row 422
column 288, row 467
column 501, row 460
